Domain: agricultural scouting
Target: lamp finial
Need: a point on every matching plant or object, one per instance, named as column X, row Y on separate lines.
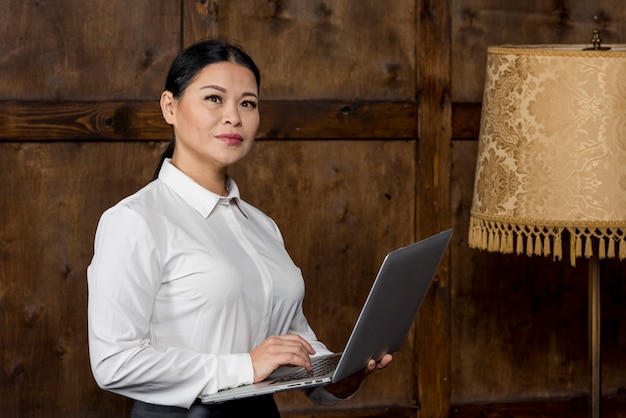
column 596, row 41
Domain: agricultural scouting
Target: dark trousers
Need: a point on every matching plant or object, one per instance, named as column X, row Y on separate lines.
column 260, row 406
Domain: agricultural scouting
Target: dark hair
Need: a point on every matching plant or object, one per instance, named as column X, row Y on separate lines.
column 194, row 59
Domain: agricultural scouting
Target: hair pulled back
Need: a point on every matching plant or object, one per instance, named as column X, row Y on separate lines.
column 193, row 59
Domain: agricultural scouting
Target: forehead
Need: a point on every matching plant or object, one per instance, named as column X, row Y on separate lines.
column 227, row 75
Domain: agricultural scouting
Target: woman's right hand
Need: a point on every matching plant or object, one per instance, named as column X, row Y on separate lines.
column 280, row 350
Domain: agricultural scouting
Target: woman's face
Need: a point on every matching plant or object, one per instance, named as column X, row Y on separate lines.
column 215, row 120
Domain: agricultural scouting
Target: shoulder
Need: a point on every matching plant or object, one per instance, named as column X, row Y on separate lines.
column 143, row 201
column 134, row 209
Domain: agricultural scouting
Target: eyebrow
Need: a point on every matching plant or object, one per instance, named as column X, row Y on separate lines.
column 223, row 90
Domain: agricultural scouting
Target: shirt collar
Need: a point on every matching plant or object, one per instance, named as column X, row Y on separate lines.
column 201, row 199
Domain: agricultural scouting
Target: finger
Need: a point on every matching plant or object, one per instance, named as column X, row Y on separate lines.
column 384, row 362
column 373, row 365
column 291, row 340
column 298, row 339
column 291, row 350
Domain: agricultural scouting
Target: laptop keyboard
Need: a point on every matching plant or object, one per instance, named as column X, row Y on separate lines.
column 320, row 367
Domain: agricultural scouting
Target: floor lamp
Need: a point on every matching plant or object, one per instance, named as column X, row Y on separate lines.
column 551, row 162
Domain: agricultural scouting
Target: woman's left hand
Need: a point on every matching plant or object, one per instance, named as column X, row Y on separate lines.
column 351, row 384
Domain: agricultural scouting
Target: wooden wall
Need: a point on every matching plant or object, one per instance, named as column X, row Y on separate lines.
column 370, row 111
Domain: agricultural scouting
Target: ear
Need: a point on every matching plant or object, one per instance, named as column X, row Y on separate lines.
column 168, row 105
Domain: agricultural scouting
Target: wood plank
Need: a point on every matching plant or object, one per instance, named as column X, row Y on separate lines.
column 465, row 120
column 337, row 49
column 53, row 195
column 341, row 206
column 142, row 120
column 477, row 24
column 569, row 408
column 381, row 412
column 79, row 121
column 199, row 20
column 433, row 202
column 338, row 119
column 86, row 50
column 500, row 300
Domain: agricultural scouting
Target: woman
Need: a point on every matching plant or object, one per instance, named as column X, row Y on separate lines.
column 191, row 289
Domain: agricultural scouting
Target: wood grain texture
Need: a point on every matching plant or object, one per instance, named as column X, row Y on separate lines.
column 478, row 24
column 319, row 50
column 433, row 203
column 382, row 412
column 359, row 102
column 200, row 20
column 338, row 222
column 53, row 195
column 87, row 50
column 519, row 324
column 341, row 206
column 81, row 121
column 574, row 408
column 142, row 120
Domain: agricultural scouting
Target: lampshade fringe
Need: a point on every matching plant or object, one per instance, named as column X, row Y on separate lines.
column 558, row 247
column 611, row 251
column 546, row 245
column 545, row 240
column 578, row 245
column 602, row 249
column 529, row 246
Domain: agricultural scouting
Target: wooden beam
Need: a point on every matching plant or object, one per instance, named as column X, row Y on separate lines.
column 433, row 202
column 80, row 121
column 336, row 119
column 379, row 412
column 142, row 120
column 563, row 408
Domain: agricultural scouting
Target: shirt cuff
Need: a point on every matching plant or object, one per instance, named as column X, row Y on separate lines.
column 233, row 370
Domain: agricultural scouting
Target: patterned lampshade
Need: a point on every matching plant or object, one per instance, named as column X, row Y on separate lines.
column 552, row 152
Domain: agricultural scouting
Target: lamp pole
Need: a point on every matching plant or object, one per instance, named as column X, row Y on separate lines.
column 595, row 386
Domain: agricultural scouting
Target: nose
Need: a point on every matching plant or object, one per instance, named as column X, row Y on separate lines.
column 231, row 115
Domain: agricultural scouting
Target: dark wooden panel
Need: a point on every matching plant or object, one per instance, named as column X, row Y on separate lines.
column 466, row 120
column 388, row 412
column 433, row 203
column 53, row 195
column 354, row 204
column 477, row 24
column 341, row 206
column 142, row 120
column 86, row 50
column 80, row 121
column 576, row 408
column 200, row 20
column 338, row 119
column 333, row 49
column 519, row 324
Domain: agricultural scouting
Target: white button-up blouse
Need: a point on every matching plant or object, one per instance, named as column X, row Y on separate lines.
column 183, row 285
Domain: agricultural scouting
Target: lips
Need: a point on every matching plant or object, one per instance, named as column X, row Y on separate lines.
column 230, row 139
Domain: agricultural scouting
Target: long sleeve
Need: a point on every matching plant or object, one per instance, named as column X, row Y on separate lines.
column 183, row 284
column 124, row 279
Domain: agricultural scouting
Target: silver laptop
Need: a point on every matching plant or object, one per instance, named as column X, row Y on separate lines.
column 382, row 326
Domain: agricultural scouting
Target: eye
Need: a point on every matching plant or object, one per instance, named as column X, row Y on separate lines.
column 213, row 98
column 249, row 104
